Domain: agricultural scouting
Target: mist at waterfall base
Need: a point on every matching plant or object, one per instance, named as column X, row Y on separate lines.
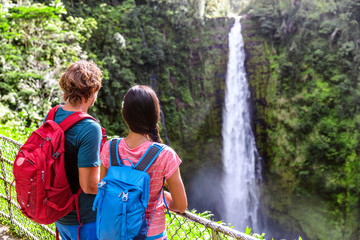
column 232, row 192
column 205, row 193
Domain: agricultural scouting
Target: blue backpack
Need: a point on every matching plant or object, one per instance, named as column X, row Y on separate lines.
column 123, row 196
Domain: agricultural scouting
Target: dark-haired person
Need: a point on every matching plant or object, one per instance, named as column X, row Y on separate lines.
column 80, row 84
column 141, row 112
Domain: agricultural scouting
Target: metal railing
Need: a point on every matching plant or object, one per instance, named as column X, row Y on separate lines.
column 179, row 226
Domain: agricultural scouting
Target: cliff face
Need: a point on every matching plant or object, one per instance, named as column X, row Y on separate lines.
column 199, row 139
column 291, row 205
column 208, row 65
column 199, row 143
column 277, row 188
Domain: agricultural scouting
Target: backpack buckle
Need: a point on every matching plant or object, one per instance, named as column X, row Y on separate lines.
column 124, row 196
column 56, row 155
column 101, row 184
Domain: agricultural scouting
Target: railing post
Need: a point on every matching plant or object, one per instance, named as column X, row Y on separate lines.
column 3, row 170
column 215, row 235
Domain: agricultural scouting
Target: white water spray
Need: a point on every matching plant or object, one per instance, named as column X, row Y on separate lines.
column 241, row 194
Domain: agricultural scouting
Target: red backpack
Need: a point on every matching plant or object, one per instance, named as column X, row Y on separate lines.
column 42, row 188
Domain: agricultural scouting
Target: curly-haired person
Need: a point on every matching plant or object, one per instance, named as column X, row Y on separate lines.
column 80, row 84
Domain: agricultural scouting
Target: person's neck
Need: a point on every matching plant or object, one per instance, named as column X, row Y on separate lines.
column 136, row 139
column 74, row 108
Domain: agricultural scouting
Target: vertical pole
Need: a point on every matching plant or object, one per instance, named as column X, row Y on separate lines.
column 6, row 185
column 215, row 235
column 357, row 232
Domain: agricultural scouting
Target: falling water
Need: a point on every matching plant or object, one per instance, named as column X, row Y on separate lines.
column 241, row 197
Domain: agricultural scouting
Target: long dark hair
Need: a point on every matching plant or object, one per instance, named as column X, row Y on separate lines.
column 141, row 111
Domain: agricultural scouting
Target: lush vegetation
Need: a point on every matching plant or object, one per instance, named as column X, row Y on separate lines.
column 166, row 45
column 36, row 45
column 303, row 63
column 307, row 103
column 170, row 46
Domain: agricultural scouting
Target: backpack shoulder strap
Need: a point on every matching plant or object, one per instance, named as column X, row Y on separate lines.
column 149, row 157
column 52, row 112
column 114, row 152
column 74, row 118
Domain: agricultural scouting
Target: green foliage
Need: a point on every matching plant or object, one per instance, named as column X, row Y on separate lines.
column 164, row 44
column 36, row 47
column 17, row 133
column 158, row 44
column 310, row 119
column 258, row 236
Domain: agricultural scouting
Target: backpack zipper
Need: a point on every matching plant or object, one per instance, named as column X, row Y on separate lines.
column 46, row 139
column 30, row 162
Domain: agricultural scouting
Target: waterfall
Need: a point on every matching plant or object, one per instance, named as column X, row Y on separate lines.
column 241, row 172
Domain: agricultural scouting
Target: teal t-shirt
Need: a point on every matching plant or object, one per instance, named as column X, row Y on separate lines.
column 82, row 149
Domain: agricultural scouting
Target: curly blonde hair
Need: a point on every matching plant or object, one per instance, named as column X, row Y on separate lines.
column 81, row 79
